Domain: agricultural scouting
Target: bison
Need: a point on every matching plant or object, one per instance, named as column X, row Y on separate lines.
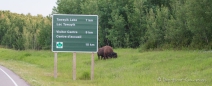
column 106, row 52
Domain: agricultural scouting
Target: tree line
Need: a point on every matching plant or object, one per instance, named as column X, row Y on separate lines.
column 22, row 32
column 148, row 24
column 145, row 24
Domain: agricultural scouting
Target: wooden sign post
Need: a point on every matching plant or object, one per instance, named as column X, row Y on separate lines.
column 55, row 65
column 92, row 66
column 74, row 66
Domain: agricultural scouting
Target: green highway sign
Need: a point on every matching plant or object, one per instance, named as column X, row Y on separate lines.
column 74, row 33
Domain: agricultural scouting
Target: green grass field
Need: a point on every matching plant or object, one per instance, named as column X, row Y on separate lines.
column 131, row 68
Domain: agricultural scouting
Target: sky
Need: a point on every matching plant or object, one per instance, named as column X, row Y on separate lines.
column 34, row 7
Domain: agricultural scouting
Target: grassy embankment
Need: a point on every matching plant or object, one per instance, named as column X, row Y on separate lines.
column 131, row 68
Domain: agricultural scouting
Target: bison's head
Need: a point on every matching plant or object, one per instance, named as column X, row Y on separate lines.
column 114, row 54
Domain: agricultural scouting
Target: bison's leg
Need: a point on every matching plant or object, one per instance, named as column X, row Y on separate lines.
column 98, row 56
column 102, row 57
column 105, row 56
column 109, row 55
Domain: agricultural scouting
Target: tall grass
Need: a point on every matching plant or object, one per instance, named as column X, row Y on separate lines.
column 131, row 68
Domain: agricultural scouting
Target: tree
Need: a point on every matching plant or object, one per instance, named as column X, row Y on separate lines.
column 68, row 7
column 44, row 38
column 104, row 13
column 199, row 22
column 156, row 26
column 177, row 34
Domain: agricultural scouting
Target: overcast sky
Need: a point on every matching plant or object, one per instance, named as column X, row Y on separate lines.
column 33, row 7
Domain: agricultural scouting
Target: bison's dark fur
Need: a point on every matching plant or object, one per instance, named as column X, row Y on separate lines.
column 107, row 52
column 100, row 53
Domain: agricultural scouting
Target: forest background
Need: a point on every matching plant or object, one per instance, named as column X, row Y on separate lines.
column 144, row 24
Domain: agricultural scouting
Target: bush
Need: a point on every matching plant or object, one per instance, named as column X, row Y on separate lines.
column 85, row 76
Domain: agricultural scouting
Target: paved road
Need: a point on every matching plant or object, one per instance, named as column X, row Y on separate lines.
column 8, row 78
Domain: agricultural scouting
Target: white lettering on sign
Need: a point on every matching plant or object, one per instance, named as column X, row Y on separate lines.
column 89, row 44
column 60, row 31
column 86, row 44
column 59, row 24
column 65, row 24
column 89, row 20
column 69, row 36
column 68, row 31
column 66, row 19
column 61, row 36
column 88, row 32
column 73, row 19
column 92, row 44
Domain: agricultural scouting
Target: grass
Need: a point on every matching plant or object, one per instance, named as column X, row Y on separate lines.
column 131, row 68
